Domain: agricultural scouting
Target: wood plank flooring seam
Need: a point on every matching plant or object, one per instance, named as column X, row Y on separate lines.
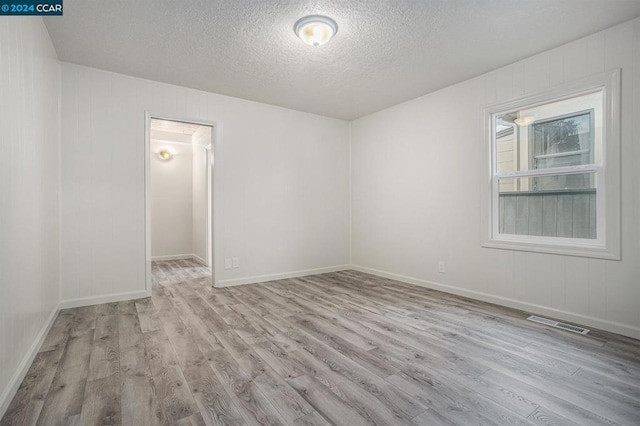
column 344, row 348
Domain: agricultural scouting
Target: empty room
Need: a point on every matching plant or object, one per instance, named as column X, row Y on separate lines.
column 320, row 213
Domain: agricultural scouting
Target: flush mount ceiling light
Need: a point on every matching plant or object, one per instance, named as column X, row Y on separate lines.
column 315, row 30
column 165, row 155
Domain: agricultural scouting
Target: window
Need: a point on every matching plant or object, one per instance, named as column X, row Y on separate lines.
column 553, row 162
column 563, row 141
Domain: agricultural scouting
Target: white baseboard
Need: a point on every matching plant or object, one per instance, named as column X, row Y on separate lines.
column 172, row 257
column 280, row 276
column 108, row 298
column 199, row 260
column 12, row 387
column 603, row 324
column 192, row 256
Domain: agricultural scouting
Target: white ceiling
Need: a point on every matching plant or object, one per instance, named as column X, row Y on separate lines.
column 174, row 126
column 385, row 51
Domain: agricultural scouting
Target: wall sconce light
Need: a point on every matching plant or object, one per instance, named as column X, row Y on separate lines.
column 315, row 30
column 165, row 155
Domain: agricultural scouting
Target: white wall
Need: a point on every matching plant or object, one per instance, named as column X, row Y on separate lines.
column 171, row 200
column 201, row 139
column 281, row 191
column 179, row 195
column 29, row 186
column 416, row 176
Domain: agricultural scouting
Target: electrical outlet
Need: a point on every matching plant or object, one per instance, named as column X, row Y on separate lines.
column 441, row 266
column 236, row 262
column 227, row 263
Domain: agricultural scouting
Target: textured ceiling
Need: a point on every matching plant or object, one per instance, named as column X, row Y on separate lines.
column 385, row 51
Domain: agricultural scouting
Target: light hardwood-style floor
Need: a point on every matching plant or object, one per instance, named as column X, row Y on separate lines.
column 342, row 348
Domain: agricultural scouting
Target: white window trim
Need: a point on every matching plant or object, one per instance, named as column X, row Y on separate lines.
column 608, row 242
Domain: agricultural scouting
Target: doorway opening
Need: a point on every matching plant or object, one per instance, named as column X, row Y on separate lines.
column 179, row 201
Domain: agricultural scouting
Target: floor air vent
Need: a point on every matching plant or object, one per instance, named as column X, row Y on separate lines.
column 557, row 324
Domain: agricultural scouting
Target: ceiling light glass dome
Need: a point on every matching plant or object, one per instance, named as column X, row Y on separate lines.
column 315, row 30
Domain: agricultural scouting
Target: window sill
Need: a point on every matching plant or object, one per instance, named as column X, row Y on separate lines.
column 579, row 250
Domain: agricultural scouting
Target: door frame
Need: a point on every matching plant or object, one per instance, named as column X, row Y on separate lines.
column 215, row 140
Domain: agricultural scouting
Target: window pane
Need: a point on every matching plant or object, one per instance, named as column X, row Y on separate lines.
column 566, row 207
column 549, row 183
column 506, row 149
column 561, row 133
